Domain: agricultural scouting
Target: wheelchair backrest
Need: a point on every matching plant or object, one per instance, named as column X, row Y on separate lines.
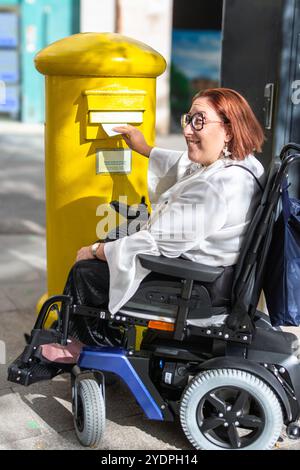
column 248, row 279
column 253, row 252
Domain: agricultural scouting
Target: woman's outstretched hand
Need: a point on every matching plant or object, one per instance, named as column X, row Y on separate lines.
column 134, row 139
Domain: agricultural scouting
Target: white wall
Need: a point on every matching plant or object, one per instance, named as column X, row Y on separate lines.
column 150, row 21
column 97, row 16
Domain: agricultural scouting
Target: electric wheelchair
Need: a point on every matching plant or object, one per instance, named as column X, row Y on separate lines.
column 207, row 355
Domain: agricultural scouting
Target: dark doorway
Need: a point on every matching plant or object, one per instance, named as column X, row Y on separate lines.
column 260, row 59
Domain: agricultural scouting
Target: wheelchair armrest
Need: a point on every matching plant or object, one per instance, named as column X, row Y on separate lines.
column 179, row 267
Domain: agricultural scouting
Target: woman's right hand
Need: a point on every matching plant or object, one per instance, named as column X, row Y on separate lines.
column 134, row 139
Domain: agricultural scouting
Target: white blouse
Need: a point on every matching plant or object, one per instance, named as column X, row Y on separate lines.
column 199, row 213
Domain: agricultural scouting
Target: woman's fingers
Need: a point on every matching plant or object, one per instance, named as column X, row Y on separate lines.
column 124, row 129
column 125, row 133
column 128, row 134
column 134, row 139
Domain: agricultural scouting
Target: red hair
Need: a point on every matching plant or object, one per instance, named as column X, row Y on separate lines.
column 247, row 134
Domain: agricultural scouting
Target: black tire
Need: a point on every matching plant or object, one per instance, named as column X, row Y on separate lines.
column 230, row 409
column 89, row 412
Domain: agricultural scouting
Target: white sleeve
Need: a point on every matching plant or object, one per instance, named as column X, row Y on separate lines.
column 162, row 171
column 125, row 270
column 199, row 211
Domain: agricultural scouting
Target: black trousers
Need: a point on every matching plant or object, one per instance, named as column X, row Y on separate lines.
column 88, row 283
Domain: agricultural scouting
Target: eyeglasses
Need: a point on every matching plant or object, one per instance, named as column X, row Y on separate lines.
column 196, row 120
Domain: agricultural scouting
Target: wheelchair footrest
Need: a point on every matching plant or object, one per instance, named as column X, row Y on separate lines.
column 27, row 374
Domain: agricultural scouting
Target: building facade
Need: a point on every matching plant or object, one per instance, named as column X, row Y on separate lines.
column 187, row 34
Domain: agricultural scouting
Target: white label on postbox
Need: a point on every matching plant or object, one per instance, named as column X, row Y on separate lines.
column 113, row 161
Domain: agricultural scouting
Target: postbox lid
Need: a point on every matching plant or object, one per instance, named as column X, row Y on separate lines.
column 101, row 55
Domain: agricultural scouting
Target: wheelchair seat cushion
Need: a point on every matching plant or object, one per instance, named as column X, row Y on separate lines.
column 180, row 268
column 159, row 295
column 219, row 290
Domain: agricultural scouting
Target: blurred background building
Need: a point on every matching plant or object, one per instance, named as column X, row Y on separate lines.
column 26, row 26
column 252, row 46
column 185, row 33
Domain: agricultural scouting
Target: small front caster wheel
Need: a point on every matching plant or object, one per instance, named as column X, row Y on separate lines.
column 89, row 412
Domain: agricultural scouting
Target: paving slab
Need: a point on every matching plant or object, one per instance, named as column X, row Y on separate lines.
column 17, row 420
column 25, row 295
column 13, row 325
column 51, row 441
column 6, row 305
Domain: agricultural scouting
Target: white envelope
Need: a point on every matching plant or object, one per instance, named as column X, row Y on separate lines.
column 108, row 128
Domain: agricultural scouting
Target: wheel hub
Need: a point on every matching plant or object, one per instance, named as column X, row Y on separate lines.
column 230, row 417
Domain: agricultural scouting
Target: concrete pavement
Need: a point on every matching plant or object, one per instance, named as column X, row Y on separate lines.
column 39, row 416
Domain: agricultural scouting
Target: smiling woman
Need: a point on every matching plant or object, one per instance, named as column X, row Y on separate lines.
column 246, row 132
column 235, row 130
column 202, row 201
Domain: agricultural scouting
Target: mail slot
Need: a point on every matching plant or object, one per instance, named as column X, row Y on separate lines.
column 93, row 81
column 111, row 106
column 98, row 117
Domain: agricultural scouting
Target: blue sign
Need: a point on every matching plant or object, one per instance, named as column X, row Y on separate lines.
column 9, row 99
column 9, row 67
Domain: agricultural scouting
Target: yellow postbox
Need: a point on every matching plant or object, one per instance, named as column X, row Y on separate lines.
column 92, row 80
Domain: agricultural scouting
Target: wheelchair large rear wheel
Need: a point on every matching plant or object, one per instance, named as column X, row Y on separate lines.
column 230, row 409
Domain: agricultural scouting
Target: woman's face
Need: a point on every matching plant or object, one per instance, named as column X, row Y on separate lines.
column 205, row 146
